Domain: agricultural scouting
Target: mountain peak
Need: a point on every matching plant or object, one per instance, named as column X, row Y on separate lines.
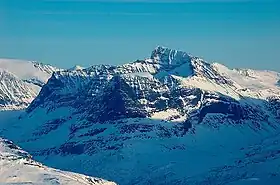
column 76, row 67
column 159, row 47
column 170, row 57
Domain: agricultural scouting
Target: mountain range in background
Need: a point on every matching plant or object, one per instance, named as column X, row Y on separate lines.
column 172, row 118
column 21, row 81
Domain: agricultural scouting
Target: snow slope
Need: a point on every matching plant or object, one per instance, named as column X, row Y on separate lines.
column 17, row 167
column 170, row 119
column 28, row 70
column 21, row 81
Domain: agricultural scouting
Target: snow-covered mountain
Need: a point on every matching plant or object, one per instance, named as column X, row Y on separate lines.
column 18, row 167
column 170, row 119
column 21, row 81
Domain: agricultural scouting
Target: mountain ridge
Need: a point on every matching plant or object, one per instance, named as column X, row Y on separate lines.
column 21, row 81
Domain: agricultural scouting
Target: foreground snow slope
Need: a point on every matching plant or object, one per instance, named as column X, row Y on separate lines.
column 17, row 167
column 170, row 119
column 21, row 81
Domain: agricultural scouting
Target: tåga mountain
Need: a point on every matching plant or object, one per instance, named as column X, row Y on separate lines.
column 170, row 119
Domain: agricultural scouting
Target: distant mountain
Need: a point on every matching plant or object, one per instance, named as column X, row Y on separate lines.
column 21, row 81
column 170, row 119
column 18, row 167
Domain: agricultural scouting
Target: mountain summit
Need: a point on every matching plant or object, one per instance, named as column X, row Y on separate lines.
column 170, row 57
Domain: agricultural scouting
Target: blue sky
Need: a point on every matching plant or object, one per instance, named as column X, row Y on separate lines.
column 86, row 32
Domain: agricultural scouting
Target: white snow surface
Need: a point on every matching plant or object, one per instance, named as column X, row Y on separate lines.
column 21, row 81
column 243, row 82
column 17, row 167
column 26, row 70
column 255, row 79
column 15, row 93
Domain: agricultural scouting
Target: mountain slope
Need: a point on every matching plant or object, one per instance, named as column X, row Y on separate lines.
column 17, row 167
column 167, row 119
column 21, row 81
column 28, row 70
column 14, row 93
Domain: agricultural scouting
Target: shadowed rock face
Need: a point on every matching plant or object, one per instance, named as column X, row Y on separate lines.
column 118, row 101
